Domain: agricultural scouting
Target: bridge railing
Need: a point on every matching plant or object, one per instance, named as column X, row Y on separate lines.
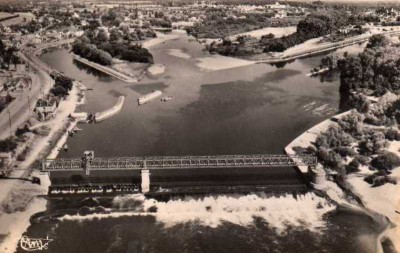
column 176, row 162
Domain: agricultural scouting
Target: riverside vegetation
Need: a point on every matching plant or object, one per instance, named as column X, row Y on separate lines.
column 316, row 24
column 370, row 84
column 101, row 46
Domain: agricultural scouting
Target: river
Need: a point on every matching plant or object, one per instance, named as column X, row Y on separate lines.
column 245, row 110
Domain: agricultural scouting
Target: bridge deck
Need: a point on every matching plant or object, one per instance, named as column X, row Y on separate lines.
column 179, row 162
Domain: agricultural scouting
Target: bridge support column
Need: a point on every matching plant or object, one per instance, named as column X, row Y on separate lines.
column 145, row 180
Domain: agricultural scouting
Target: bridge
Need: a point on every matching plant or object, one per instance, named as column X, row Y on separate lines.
column 89, row 167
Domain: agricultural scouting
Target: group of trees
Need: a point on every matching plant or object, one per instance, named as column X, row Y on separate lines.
column 219, row 25
column 112, row 18
column 348, row 138
column 4, row 101
column 359, row 135
column 61, row 86
column 101, row 47
column 314, row 25
column 92, row 53
column 8, row 55
column 245, row 46
column 377, row 68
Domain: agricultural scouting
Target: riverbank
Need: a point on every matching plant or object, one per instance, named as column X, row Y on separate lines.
column 383, row 200
column 278, row 32
column 307, row 138
column 22, row 199
column 315, row 46
column 161, row 38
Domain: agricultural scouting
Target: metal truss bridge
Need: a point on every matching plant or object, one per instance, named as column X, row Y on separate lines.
column 178, row 162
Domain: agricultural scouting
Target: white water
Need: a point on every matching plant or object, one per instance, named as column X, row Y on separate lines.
column 279, row 212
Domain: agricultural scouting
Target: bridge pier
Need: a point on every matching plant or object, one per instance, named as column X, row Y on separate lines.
column 145, row 180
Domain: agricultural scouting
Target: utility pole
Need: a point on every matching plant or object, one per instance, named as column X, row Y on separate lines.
column 29, row 104
column 9, row 119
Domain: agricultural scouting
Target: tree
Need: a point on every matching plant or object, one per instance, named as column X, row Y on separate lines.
column 373, row 144
column 102, row 36
column 329, row 158
column 352, row 123
column 378, row 41
column 115, row 34
column 59, row 91
column 8, row 145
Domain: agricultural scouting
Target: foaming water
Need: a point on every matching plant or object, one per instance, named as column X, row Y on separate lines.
column 304, row 211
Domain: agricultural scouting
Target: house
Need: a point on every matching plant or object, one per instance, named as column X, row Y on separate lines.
column 281, row 14
column 275, row 6
column 45, row 108
column 16, row 84
column 5, row 159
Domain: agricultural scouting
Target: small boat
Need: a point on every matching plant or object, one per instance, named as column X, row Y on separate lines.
column 77, row 129
column 65, row 147
column 167, row 98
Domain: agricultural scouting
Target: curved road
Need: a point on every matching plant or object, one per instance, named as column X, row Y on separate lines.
column 18, row 111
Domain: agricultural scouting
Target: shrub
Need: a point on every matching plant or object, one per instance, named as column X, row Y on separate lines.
column 373, row 143
column 380, row 178
column 392, row 134
column 329, row 158
column 363, row 160
column 386, row 161
column 353, row 166
column 20, row 131
column 8, row 145
column 345, row 151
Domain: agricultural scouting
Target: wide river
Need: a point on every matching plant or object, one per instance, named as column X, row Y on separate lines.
column 249, row 109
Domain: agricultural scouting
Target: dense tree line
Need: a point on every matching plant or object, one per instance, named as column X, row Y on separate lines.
column 314, row 25
column 100, row 47
column 219, row 25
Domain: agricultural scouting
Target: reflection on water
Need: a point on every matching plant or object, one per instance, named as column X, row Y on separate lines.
column 213, row 112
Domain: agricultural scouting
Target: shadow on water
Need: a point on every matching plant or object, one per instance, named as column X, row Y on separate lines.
column 148, row 87
column 92, row 71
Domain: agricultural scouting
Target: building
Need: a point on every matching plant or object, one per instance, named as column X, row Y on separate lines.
column 5, row 159
column 16, row 84
column 45, row 108
column 276, row 6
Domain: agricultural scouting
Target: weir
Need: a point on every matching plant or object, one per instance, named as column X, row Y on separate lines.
column 128, row 173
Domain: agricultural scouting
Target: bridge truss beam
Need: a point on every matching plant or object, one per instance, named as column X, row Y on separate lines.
column 178, row 162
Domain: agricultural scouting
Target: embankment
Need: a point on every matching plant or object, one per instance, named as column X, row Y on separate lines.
column 112, row 111
column 106, row 70
column 308, row 137
column 306, row 52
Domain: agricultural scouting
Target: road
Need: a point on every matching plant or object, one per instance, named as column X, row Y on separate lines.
column 18, row 110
